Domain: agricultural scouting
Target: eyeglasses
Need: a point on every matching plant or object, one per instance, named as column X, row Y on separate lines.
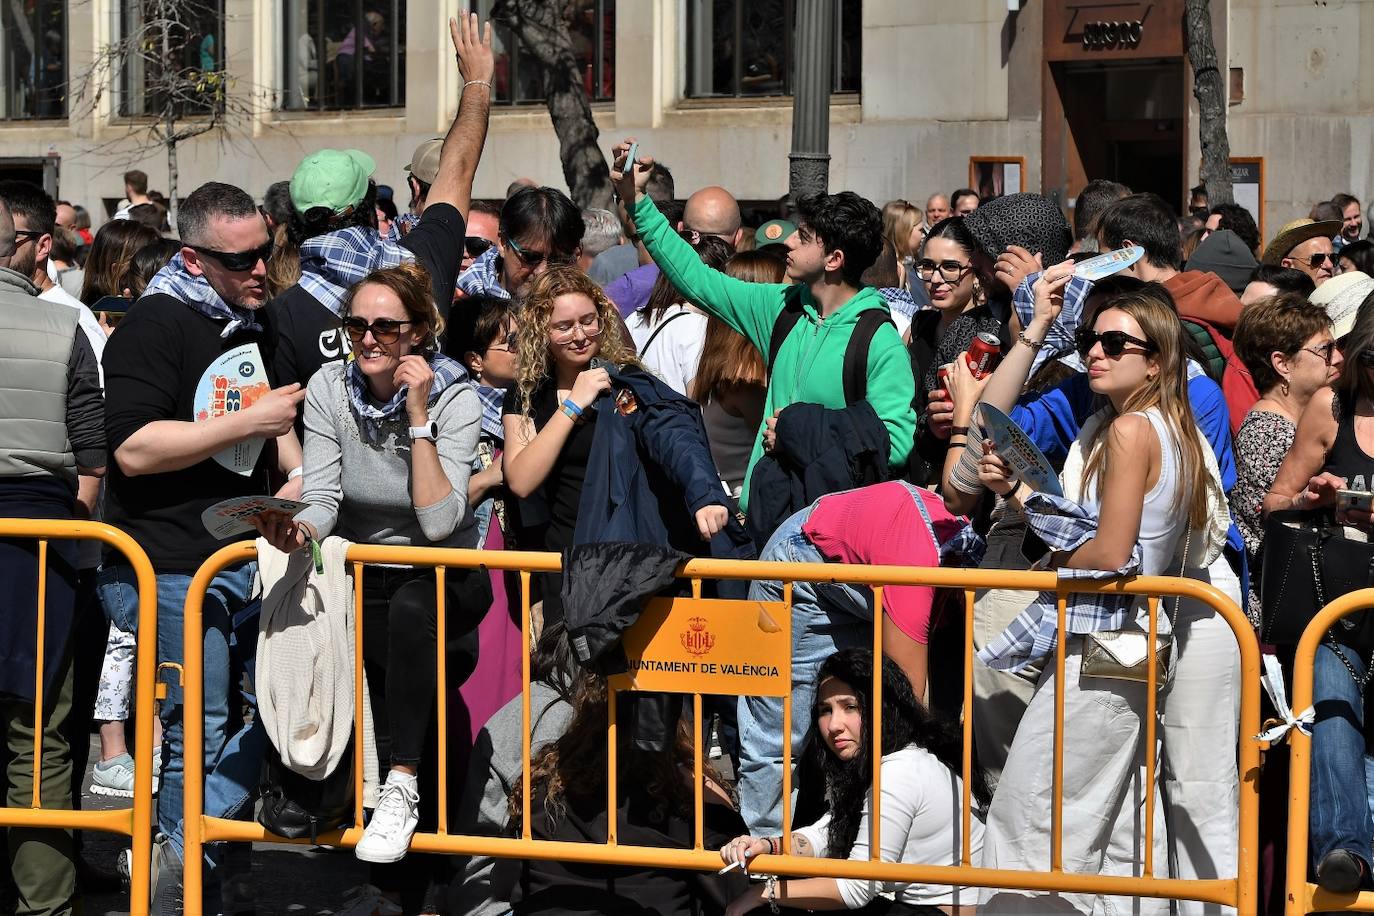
column 510, row 343
column 384, row 330
column 476, row 246
column 533, row 259
column 1320, row 258
column 1326, row 351
column 26, row 234
column 1113, row 342
column 563, row 331
column 237, row 260
column 949, row 271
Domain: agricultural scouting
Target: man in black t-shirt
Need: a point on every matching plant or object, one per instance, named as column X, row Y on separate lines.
column 334, row 224
column 192, row 418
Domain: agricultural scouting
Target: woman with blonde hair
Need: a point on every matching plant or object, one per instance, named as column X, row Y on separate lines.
column 1140, row 484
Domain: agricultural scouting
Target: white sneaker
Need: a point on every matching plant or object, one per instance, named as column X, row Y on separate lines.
column 393, row 823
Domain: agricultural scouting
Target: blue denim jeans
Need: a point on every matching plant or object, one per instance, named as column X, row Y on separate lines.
column 233, row 752
column 1342, row 774
column 825, row 618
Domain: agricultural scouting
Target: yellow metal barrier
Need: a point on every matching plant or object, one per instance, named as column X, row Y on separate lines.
column 1302, row 895
column 1239, row 892
column 136, row 822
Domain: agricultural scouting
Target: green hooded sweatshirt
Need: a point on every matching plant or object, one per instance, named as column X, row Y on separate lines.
column 810, row 363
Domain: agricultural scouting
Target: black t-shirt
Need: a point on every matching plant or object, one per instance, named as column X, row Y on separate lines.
column 153, row 365
column 562, row 489
column 309, row 332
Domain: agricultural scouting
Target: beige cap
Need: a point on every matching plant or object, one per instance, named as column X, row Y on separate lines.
column 1342, row 296
column 424, row 165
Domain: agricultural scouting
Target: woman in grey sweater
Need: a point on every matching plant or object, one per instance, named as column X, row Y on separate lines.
column 390, row 438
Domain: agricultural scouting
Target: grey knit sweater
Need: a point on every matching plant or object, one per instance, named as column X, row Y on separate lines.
column 361, row 492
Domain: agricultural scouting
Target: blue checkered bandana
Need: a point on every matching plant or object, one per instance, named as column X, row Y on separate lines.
column 176, row 281
column 333, row 262
column 371, row 419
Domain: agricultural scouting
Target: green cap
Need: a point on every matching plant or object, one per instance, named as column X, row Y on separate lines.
column 773, row 232
column 333, row 178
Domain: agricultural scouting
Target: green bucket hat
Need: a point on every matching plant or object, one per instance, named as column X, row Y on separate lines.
column 333, row 178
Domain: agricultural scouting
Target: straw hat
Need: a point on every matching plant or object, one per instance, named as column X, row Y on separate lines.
column 1341, row 296
column 1294, row 234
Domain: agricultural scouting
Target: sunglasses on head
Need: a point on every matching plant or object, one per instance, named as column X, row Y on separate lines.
column 237, row 260
column 475, row 245
column 1113, row 342
column 384, row 330
column 535, row 258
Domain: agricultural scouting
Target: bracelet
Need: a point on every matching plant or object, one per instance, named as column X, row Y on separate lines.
column 961, row 443
column 571, row 413
column 1017, row 489
column 958, row 430
column 571, row 406
column 1033, row 344
column 770, row 893
column 774, row 844
column 296, row 472
column 486, row 83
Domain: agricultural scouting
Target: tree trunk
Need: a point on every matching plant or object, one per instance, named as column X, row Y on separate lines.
column 543, row 34
column 1210, row 92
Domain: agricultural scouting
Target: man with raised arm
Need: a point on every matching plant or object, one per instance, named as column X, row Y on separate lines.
column 839, row 237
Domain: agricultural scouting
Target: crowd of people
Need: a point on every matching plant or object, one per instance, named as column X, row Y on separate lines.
column 630, row 388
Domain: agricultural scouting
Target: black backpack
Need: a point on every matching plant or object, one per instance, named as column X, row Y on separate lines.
column 855, row 354
column 295, row 806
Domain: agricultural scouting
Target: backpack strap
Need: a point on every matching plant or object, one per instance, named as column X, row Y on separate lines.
column 658, row 330
column 787, row 320
column 856, row 354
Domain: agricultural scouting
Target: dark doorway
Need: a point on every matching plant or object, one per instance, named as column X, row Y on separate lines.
column 1125, row 121
column 39, row 170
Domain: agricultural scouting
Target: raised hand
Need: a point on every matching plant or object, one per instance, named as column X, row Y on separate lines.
column 472, row 45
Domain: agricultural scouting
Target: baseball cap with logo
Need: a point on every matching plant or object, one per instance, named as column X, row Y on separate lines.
column 773, row 232
column 332, row 178
column 424, row 165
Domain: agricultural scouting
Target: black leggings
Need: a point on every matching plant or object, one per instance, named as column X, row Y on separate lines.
column 399, row 632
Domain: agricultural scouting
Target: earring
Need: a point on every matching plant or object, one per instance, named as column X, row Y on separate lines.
column 1283, row 386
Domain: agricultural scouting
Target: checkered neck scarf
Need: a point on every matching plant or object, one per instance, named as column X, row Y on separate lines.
column 176, row 281
column 492, row 401
column 333, row 262
column 483, row 278
column 372, row 419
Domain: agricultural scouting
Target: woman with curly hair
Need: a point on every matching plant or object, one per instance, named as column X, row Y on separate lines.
column 921, row 795
column 654, row 807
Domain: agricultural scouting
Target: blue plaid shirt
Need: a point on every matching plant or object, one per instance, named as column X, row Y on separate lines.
column 176, row 281
column 333, row 262
column 492, row 401
column 1063, row 525
column 1060, row 341
column 483, row 278
column 899, row 301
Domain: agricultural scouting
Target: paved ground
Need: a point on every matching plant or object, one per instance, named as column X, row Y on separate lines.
column 295, row 880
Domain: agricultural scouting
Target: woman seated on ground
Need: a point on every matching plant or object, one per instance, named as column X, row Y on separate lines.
column 922, row 795
column 654, row 808
column 390, row 439
column 891, row 523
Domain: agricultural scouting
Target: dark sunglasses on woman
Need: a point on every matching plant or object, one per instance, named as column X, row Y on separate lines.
column 1113, row 342
column 476, row 246
column 384, row 330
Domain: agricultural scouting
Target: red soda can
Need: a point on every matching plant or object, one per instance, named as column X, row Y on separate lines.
column 984, row 354
column 943, row 375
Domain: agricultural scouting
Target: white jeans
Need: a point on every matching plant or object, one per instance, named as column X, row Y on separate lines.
column 1104, row 794
column 1201, row 732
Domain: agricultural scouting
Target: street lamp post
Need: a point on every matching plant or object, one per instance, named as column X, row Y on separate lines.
column 813, row 71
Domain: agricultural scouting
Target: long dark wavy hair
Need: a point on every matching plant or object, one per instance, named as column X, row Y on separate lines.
column 824, row 781
column 573, row 768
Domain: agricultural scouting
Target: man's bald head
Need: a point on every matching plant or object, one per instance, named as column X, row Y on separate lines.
column 937, row 208
column 6, row 235
column 713, row 211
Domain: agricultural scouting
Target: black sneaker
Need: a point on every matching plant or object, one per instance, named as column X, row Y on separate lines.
column 1341, row 872
column 166, row 880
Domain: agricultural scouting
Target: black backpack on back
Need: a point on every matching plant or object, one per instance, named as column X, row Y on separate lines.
column 855, row 354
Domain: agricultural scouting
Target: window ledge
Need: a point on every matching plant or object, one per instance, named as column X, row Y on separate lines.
column 771, row 110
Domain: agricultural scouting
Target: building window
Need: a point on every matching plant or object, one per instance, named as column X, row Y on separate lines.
column 181, row 57
column 33, row 59
column 738, row 48
column 591, row 26
column 349, row 54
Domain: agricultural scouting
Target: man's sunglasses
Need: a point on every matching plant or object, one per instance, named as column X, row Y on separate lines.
column 1113, row 342
column 1320, row 258
column 475, row 245
column 237, row 260
column 533, row 259
column 384, row 330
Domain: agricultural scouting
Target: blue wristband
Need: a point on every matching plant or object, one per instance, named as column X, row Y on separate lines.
column 572, row 407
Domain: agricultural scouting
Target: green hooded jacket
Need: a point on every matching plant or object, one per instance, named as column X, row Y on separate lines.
column 810, row 363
